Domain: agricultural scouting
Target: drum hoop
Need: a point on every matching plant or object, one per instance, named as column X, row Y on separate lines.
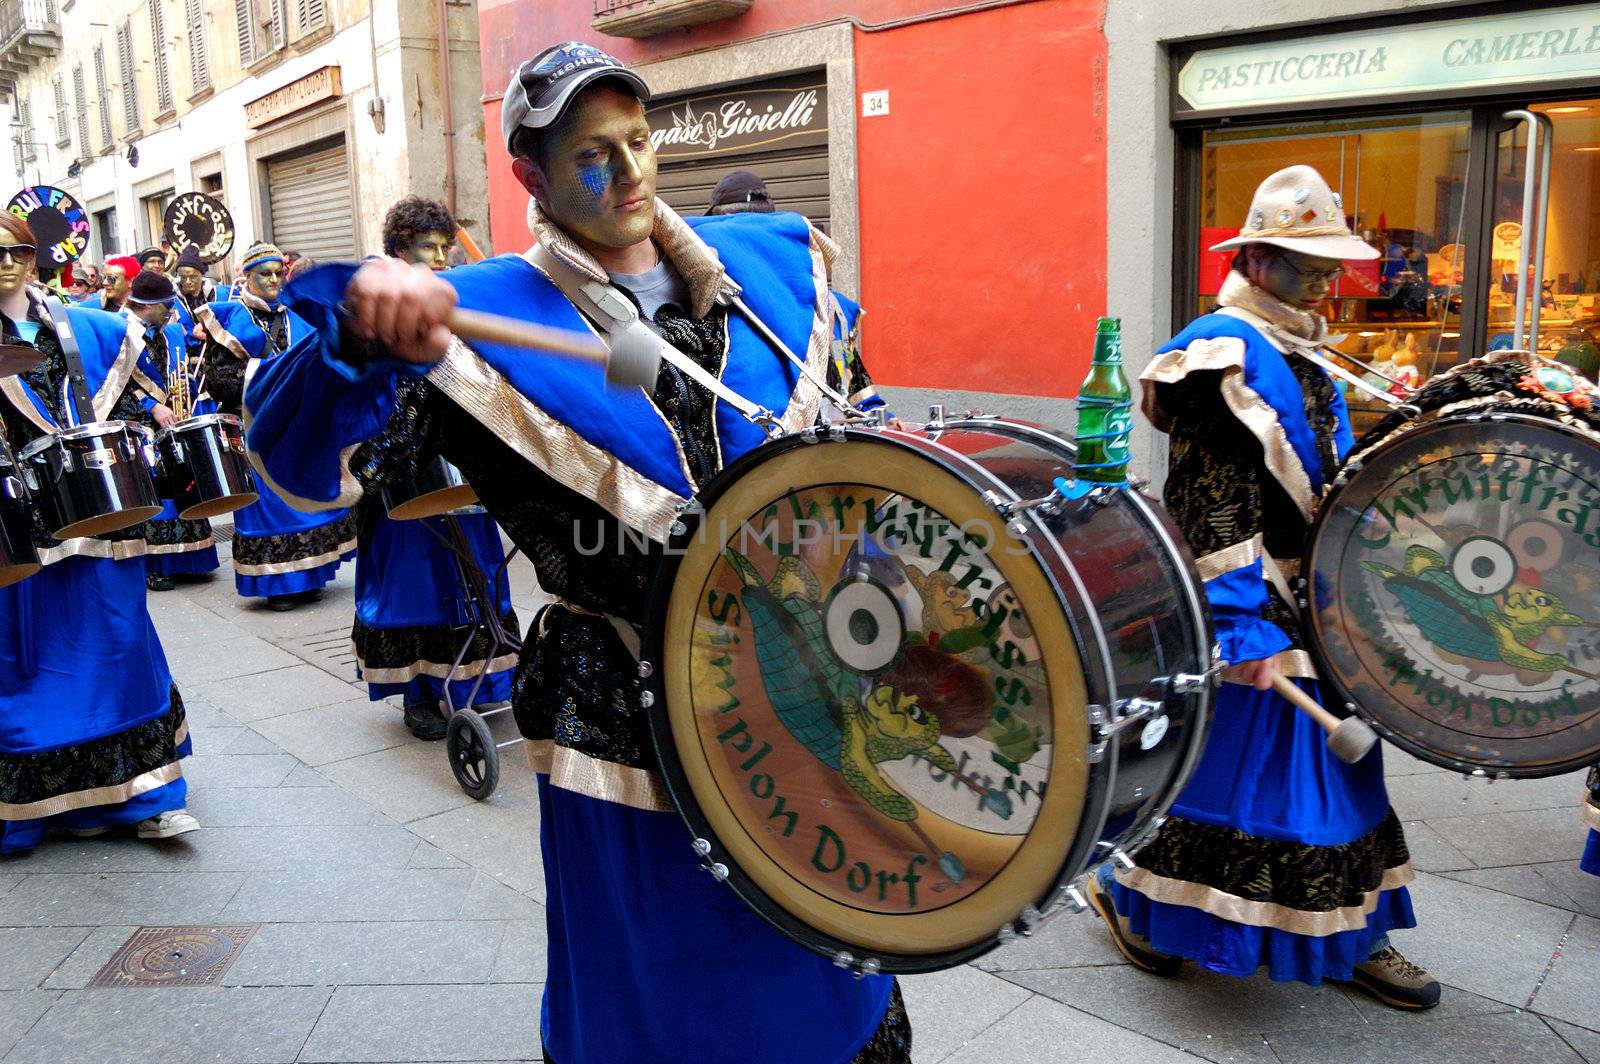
column 88, row 430
column 905, row 942
column 1327, row 675
column 1193, row 588
column 203, row 420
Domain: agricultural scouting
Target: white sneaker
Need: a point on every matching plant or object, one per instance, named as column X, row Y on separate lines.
column 169, row 824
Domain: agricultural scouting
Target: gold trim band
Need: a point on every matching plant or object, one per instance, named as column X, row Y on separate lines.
column 1591, row 815
column 1292, row 663
column 180, row 548
column 275, row 568
column 113, row 794
column 1228, row 559
column 1263, row 913
column 575, row 771
column 434, row 669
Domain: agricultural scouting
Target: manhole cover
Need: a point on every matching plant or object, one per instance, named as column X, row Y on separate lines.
column 174, row 956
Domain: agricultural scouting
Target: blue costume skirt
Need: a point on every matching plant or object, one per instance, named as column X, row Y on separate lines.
column 177, row 547
column 91, row 726
column 1276, row 854
column 1591, row 854
column 277, row 550
column 413, row 616
column 627, row 887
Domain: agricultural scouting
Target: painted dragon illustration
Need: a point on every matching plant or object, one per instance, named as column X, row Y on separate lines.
column 820, row 701
column 1489, row 628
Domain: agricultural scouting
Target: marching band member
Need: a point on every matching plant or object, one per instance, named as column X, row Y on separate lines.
column 175, row 547
column 279, row 552
column 1591, row 816
column 1277, row 854
column 91, row 725
column 115, row 280
column 410, row 606
column 562, row 463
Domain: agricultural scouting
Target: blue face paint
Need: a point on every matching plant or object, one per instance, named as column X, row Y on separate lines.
column 595, row 179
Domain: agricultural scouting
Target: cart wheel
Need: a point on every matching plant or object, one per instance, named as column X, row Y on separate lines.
column 473, row 756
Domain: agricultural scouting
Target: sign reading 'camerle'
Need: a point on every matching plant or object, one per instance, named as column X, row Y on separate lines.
column 791, row 113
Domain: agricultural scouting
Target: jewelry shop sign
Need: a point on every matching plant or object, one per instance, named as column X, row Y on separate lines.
column 1546, row 45
column 788, row 113
column 321, row 84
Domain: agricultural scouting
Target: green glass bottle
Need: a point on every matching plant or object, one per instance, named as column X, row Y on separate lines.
column 1105, row 412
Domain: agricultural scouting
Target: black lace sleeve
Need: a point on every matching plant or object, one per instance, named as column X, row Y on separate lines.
column 1215, row 467
column 224, row 377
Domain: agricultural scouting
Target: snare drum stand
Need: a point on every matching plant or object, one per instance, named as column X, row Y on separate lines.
column 474, row 754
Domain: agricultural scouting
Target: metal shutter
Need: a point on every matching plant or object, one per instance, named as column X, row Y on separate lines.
column 310, row 204
column 130, row 87
column 158, row 36
column 199, row 58
column 797, row 179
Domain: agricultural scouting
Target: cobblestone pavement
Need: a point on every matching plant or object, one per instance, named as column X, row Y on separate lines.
column 397, row 919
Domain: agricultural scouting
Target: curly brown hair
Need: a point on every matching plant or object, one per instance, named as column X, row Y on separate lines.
column 412, row 217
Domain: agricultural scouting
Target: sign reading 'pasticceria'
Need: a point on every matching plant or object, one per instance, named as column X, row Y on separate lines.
column 1551, row 45
column 788, row 113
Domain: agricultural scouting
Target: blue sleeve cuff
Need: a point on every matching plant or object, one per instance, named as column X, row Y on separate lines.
column 1246, row 638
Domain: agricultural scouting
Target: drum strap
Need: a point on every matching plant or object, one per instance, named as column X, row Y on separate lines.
column 614, row 313
column 1274, row 575
column 77, row 384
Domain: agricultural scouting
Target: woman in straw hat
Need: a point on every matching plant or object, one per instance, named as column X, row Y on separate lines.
column 1277, row 853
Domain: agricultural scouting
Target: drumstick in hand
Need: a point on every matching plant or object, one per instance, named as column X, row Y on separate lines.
column 625, row 364
column 1349, row 739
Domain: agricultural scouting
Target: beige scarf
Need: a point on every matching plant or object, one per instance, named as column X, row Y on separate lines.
column 1301, row 328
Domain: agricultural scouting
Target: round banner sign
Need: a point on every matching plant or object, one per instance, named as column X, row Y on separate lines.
column 59, row 223
column 196, row 220
column 1455, row 592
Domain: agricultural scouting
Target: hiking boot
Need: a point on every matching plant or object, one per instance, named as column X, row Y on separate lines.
column 166, row 825
column 425, row 719
column 1395, row 981
column 1134, row 947
column 282, row 603
column 158, row 581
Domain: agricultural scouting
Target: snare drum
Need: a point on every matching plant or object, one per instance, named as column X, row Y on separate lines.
column 204, row 465
column 435, row 487
column 904, row 693
column 19, row 559
column 92, row 479
column 1454, row 578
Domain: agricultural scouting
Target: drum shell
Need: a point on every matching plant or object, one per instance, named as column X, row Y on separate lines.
column 435, row 487
column 19, row 558
column 205, row 466
column 93, row 479
column 1130, row 644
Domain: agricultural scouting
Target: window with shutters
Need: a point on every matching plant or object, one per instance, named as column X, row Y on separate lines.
column 158, row 37
column 81, row 98
column 125, row 70
column 310, row 15
column 58, row 88
column 194, row 18
column 30, row 150
column 244, row 18
column 102, row 96
column 278, row 23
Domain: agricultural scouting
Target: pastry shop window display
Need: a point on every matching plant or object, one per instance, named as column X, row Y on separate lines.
column 1402, row 184
column 1569, row 311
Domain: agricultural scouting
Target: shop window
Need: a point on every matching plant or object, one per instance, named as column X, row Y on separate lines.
column 1403, row 182
column 1569, row 304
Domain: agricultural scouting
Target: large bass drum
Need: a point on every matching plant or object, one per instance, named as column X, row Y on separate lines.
column 904, row 693
column 1454, row 582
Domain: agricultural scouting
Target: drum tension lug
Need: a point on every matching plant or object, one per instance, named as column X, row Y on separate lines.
column 860, row 969
column 646, row 670
column 1192, row 683
column 1131, row 711
column 935, row 421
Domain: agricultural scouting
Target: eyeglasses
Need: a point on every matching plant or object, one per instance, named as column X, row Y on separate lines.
column 1327, row 276
column 22, row 254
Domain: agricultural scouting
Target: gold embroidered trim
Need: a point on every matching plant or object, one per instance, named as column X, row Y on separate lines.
column 180, row 548
column 119, row 550
column 806, row 401
column 541, row 752
column 553, row 448
column 407, row 673
column 110, row 795
column 121, row 370
column 275, row 568
column 214, row 331
column 150, row 387
column 606, row 780
column 1228, row 559
column 1263, row 913
column 1293, row 663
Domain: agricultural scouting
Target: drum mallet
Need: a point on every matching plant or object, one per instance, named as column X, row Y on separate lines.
column 1349, row 739
column 626, row 363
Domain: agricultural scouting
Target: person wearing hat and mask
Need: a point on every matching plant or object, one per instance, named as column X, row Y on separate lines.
column 92, row 727
column 1277, row 854
column 175, row 547
column 153, row 259
column 740, row 192
column 650, row 959
column 280, row 552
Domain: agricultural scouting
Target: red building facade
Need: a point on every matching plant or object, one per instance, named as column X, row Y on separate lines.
column 958, row 152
